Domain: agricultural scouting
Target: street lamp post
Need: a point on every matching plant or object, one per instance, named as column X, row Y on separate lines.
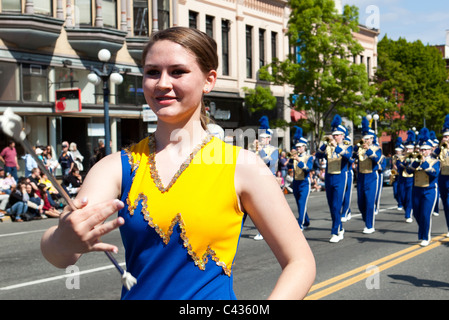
column 96, row 76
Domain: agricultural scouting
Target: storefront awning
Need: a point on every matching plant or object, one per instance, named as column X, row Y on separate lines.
column 297, row 115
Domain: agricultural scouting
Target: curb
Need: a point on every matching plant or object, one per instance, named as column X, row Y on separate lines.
column 5, row 219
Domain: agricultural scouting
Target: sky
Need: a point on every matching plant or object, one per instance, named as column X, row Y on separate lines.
column 425, row 20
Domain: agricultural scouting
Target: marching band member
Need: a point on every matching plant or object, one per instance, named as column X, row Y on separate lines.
column 399, row 148
column 382, row 164
column 346, row 208
column 425, row 170
column 368, row 156
column 435, row 144
column 405, row 179
column 337, row 155
column 302, row 164
column 442, row 152
column 268, row 153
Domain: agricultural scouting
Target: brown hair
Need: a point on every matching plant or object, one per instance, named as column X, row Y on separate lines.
column 199, row 43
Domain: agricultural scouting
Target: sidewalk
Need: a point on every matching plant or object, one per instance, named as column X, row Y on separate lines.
column 5, row 219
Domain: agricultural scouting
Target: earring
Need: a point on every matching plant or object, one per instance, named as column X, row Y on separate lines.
column 206, row 90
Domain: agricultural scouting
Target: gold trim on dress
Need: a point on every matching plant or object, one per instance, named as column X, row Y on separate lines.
column 184, row 165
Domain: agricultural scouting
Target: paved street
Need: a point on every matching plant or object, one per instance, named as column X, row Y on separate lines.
column 386, row 265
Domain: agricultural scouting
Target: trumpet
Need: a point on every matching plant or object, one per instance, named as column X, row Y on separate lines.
column 360, row 143
column 292, row 154
column 443, row 145
column 414, row 156
column 327, row 140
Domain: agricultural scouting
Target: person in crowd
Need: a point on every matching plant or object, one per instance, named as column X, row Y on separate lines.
column 35, row 204
column 65, row 160
column 7, row 183
column 30, row 163
column 76, row 156
column 48, row 209
column 9, row 157
column 73, row 182
column 18, row 201
column 182, row 242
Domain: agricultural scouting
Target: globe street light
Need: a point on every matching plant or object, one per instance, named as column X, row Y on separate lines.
column 96, row 76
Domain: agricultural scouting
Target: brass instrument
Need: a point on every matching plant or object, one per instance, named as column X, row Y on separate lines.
column 292, row 154
column 327, row 140
column 360, row 143
column 414, row 156
column 443, row 145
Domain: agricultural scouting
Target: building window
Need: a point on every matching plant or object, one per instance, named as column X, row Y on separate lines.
column 130, row 92
column 9, row 90
column 210, row 26
column 225, row 47
column 249, row 51
column 34, row 82
column 83, row 12
column 274, row 39
column 163, row 14
column 43, row 7
column 110, row 13
column 193, row 19
column 368, row 66
column 141, row 18
column 11, row 5
column 261, row 48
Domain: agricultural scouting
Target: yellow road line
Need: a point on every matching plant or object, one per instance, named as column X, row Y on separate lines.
column 382, row 264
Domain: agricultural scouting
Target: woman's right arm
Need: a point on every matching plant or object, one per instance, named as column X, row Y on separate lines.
column 79, row 231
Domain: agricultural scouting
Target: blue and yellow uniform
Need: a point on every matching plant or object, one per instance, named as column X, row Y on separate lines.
column 367, row 177
column 442, row 153
column 302, row 164
column 181, row 239
column 425, row 188
column 399, row 148
column 337, row 158
column 346, row 208
column 405, row 179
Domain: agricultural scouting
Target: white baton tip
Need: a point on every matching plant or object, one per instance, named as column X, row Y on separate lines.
column 128, row 280
column 11, row 125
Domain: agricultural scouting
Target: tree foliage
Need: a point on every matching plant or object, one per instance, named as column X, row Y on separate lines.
column 258, row 99
column 413, row 78
column 321, row 71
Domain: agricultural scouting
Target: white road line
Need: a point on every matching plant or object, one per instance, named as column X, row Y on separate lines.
column 21, row 233
column 31, row 283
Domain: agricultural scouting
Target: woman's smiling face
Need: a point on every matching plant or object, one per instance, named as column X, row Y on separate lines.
column 173, row 82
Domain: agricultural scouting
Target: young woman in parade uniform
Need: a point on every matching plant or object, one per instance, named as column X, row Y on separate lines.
column 425, row 170
column 302, row 165
column 394, row 177
column 405, row 179
column 367, row 156
column 183, row 193
column 442, row 153
column 346, row 207
column 337, row 155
